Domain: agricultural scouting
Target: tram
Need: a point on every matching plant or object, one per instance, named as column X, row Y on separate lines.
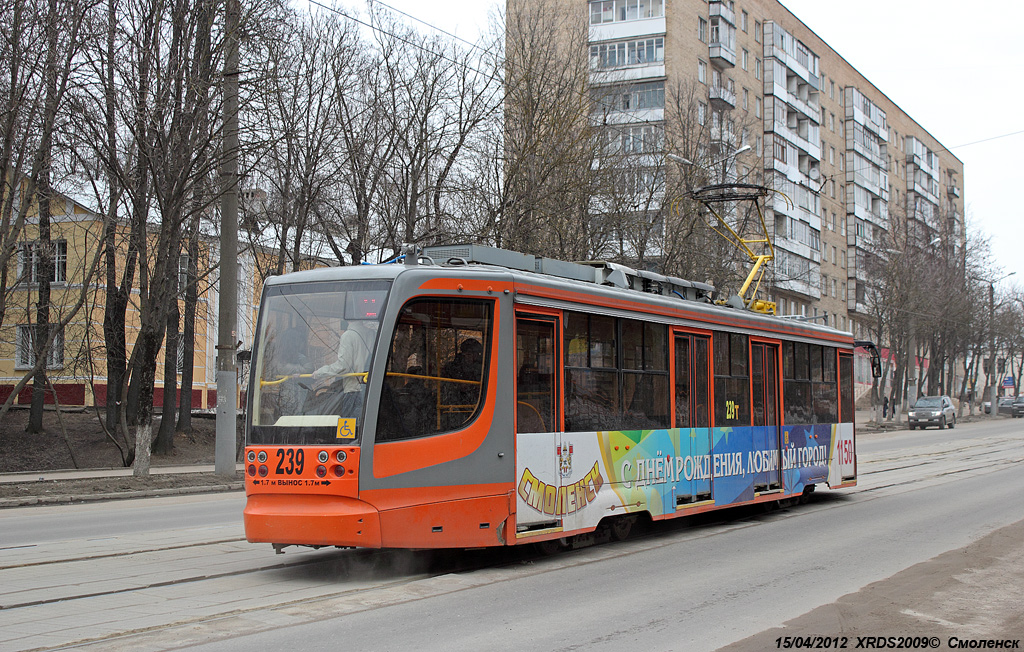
column 471, row 396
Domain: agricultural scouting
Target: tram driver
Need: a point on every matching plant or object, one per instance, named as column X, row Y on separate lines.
column 354, row 345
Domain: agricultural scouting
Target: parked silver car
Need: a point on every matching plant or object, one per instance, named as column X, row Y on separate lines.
column 932, row 411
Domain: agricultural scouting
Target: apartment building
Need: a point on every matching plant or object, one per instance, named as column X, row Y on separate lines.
column 845, row 160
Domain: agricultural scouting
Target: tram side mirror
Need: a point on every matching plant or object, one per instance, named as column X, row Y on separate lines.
column 876, row 362
column 876, row 367
column 244, row 355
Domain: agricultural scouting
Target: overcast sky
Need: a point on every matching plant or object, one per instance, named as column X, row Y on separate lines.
column 953, row 66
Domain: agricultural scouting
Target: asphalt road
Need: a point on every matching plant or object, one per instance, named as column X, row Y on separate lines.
column 174, row 572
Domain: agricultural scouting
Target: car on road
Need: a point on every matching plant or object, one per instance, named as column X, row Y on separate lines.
column 1004, row 405
column 1018, row 406
column 932, row 411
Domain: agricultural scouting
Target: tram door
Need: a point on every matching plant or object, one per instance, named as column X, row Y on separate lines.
column 537, row 418
column 693, row 415
column 764, row 377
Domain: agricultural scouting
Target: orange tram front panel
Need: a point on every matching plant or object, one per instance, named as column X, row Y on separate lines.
column 307, row 495
column 293, row 501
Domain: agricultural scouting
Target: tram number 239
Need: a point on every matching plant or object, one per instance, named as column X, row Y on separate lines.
column 290, row 461
column 732, row 410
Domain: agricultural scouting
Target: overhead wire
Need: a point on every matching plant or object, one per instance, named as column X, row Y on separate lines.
column 378, row 28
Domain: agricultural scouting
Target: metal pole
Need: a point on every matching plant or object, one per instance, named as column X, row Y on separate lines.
column 227, row 384
column 994, row 410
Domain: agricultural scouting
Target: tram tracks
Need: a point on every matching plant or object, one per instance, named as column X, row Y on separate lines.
column 175, row 584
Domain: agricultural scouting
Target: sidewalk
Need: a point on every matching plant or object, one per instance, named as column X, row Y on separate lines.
column 92, row 485
column 115, row 472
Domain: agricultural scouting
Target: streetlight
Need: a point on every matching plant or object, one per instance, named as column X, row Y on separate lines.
column 993, row 403
column 685, row 161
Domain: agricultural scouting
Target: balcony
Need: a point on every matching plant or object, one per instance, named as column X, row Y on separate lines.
column 722, row 98
column 722, row 10
column 722, row 55
column 953, row 191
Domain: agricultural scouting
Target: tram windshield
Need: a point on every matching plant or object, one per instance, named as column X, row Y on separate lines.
column 313, row 353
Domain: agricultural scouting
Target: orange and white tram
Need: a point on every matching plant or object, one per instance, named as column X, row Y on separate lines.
column 498, row 399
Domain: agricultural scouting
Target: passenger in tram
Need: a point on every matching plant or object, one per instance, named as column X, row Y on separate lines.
column 353, row 358
column 462, row 398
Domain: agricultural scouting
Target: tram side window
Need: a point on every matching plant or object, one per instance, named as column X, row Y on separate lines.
column 616, row 374
column 732, row 380
column 796, row 374
column 825, row 391
column 846, row 387
column 810, row 389
column 437, row 368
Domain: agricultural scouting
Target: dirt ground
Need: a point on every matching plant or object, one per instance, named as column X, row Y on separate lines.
column 973, row 594
column 77, row 441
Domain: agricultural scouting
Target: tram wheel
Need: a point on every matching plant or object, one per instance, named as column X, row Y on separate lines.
column 549, row 547
column 621, row 527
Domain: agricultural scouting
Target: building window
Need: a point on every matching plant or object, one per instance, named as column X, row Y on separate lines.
column 29, row 262
column 616, row 11
column 746, row 95
column 780, row 150
column 26, row 354
column 182, row 272
column 702, row 72
column 634, row 139
column 832, row 155
column 627, row 53
column 702, row 29
column 757, row 107
column 831, row 89
column 634, row 97
column 702, row 113
column 744, row 59
column 757, row 31
column 743, row 21
column 757, row 68
column 759, row 144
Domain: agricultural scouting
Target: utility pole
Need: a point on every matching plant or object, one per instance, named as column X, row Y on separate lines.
column 227, row 383
column 994, row 407
column 992, row 367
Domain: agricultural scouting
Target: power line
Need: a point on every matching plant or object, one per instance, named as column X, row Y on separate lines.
column 419, row 46
column 985, row 140
column 430, row 25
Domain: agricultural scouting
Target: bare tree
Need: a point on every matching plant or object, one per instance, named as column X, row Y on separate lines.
column 550, row 143
column 297, row 118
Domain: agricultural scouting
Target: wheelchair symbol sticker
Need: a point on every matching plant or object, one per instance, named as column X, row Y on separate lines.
column 346, row 428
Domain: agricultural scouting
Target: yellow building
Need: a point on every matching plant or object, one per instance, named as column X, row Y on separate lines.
column 77, row 360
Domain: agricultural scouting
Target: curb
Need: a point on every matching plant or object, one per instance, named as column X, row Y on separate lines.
column 64, row 499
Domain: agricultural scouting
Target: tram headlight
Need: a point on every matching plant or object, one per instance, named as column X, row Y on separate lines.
column 263, row 471
column 262, row 457
column 252, row 469
column 323, row 456
column 251, row 456
column 321, row 471
column 339, row 471
column 341, row 456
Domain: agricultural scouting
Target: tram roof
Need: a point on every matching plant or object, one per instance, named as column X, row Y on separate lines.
column 690, row 302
